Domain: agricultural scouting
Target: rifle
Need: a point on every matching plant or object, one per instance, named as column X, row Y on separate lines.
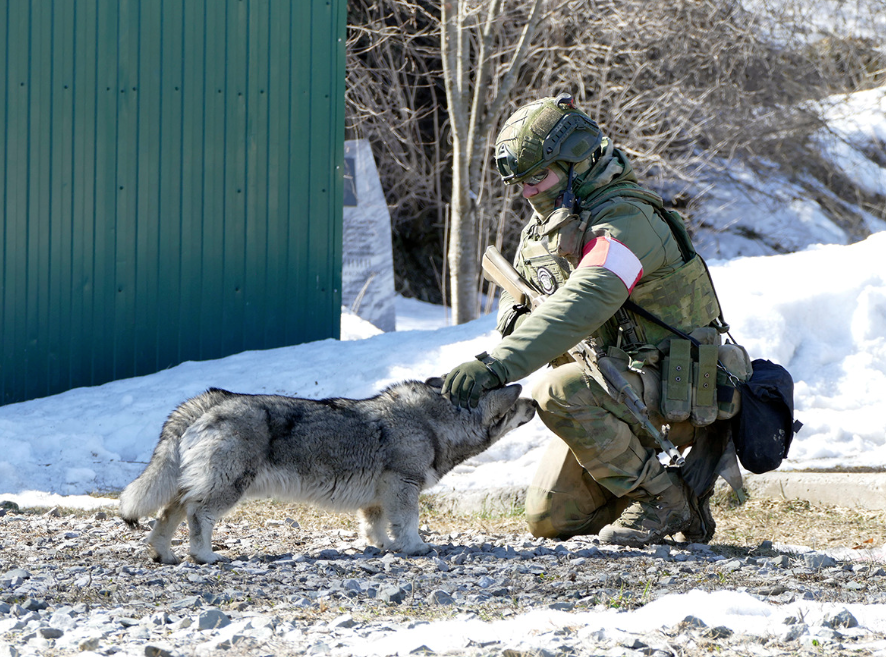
column 591, row 357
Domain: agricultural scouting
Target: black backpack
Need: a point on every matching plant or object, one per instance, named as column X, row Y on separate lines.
column 764, row 427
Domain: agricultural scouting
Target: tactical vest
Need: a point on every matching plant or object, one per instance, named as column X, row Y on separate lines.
column 685, row 298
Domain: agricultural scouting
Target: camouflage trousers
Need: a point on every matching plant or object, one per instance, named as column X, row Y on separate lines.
column 600, row 459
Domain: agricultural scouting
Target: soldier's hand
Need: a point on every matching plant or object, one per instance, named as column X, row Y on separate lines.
column 464, row 384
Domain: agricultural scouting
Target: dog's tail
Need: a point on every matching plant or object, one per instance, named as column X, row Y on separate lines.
column 159, row 483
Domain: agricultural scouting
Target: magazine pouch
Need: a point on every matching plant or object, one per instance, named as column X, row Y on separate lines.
column 704, row 386
column 765, row 425
column 676, row 381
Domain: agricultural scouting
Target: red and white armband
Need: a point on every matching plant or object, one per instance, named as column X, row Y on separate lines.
column 607, row 252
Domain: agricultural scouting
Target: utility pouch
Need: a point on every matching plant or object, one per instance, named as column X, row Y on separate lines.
column 704, row 386
column 676, row 398
column 738, row 368
column 695, row 388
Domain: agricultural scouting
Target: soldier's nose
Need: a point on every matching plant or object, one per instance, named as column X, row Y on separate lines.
column 529, row 191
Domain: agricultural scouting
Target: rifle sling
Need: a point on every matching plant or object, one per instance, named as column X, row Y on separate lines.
column 645, row 314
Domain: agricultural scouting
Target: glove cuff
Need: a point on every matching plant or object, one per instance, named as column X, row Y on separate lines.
column 495, row 366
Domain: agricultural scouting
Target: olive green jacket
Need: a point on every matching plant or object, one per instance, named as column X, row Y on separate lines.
column 585, row 297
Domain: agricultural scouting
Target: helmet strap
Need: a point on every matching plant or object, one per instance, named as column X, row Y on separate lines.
column 567, row 200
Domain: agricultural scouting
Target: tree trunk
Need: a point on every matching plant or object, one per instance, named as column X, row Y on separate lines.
column 470, row 114
column 463, row 235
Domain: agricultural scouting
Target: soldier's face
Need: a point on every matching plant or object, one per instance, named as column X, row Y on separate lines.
column 546, row 183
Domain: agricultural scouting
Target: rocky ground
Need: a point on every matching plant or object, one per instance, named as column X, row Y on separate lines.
column 302, row 582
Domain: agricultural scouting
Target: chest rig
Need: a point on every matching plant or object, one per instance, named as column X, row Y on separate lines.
column 684, row 298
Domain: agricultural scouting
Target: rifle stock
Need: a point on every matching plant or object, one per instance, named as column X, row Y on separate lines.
column 592, row 359
column 497, row 269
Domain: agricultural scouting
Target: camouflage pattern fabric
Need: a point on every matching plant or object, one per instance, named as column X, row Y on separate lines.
column 683, row 298
column 604, row 442
column 564, row 500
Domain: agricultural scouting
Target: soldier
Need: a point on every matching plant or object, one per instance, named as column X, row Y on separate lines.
column 600, row 475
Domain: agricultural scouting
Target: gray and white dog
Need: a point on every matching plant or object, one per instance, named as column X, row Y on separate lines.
column 372, row 455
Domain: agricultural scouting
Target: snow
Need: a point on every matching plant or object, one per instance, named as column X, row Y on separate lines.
column 821, row 19
column 740, row 612
column 749, row 212
column 855, row 122
column 820, row 312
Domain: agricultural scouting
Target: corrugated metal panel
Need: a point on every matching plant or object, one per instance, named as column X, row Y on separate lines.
column 170, row 182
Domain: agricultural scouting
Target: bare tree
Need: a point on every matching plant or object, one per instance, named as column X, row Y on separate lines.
column 467, row 41
column 682, row 87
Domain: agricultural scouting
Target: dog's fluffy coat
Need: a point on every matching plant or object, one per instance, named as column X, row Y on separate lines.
column 371, row 455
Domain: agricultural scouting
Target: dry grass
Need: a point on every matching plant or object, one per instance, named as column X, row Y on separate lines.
column 797, row 522
column 793, row 522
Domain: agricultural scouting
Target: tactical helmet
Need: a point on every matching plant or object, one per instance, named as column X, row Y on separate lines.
column 545, row 131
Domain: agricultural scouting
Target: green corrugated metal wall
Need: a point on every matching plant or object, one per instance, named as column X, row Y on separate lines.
column 170, row 181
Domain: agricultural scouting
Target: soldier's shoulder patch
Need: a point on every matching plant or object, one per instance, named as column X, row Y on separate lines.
column 547, row 280
column 607, row 252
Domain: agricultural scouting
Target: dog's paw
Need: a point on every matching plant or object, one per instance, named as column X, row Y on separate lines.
column 209, row 559
column 412, row 548
column 377, row 541
column 422, row 550
column 162, row 554
column 168, row 559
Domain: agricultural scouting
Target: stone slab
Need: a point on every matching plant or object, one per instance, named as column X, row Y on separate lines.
column 852, row 490
column 494, row 502
column 367, row 254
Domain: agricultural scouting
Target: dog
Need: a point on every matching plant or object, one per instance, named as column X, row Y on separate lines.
column 373, row 456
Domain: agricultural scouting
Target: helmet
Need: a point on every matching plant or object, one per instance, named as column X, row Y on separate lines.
column 545, row 131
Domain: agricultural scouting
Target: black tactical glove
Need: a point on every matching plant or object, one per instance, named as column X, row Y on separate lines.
column 464, row 384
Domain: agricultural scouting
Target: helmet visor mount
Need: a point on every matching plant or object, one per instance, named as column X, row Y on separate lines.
column 506, row 162
column 564, row 145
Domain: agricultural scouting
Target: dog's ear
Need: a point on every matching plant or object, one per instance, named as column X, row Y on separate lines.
column 502, row 400
column 435, row 382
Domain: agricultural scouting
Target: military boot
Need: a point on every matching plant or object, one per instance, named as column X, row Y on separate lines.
column 702, row 525
column 650, row 519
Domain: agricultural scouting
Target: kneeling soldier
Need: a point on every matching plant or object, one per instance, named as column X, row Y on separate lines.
column 595, row 239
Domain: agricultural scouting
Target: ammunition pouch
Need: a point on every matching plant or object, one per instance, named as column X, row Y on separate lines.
column 695, row 387
column 570, row 235
column 738, row 370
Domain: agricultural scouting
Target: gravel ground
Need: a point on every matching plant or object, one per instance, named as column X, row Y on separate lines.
column 302, row 582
